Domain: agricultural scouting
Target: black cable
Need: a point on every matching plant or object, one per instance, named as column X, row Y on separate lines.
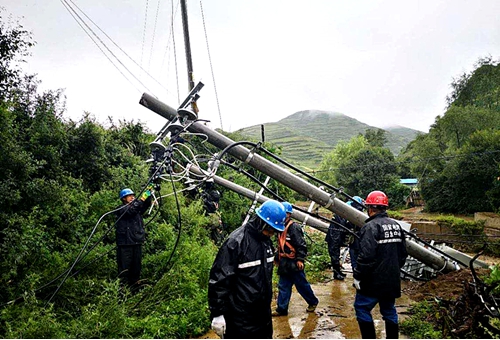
column 66, row 273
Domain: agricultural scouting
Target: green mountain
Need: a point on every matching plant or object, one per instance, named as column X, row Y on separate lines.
column 306, row 136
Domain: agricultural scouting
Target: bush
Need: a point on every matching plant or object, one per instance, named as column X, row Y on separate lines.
column 418, row 325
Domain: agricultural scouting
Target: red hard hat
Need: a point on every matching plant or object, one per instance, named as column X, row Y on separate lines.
column 377, row 198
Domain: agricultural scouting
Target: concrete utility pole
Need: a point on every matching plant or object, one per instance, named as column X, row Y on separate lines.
column 260, row 198
column 329, row 201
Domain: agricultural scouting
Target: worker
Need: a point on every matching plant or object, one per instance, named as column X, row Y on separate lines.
column 130, row 234
column 211, row 198
column 353, row 239
column 382, row 254
column 292, row 252
column 336, row 239
column 240, row 284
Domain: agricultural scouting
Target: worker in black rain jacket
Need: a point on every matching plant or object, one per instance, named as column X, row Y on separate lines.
column 337, row 237
column 240, row 285
column 130, row 234
column 377, row 276
column 292, row 253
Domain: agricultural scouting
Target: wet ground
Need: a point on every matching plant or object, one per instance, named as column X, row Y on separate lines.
column 334, row 317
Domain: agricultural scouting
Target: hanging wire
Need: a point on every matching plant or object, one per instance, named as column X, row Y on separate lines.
column 68, row 6
column 211, row 66
column 144, row 29
column 121, row 50
column 69, row 9
column 154, row 33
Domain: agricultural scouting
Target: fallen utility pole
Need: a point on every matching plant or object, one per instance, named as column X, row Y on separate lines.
column 285, row 177
column 259, row 197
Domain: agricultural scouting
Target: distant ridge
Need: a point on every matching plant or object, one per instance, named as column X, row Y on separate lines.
column 306, row 136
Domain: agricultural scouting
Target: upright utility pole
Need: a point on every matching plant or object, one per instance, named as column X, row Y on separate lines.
column 187, row 45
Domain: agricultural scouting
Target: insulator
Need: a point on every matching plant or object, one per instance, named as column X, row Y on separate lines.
column 157, row 145
column 187, row 113
column 175, row 128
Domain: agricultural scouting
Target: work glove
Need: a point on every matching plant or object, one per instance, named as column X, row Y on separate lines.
column 219, row 325
column 147, row 192
column 357, row 284
column 145, row 195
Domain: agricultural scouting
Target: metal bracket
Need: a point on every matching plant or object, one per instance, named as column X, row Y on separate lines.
column 330, row 200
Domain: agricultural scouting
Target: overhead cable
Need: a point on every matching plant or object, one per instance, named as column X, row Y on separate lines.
column 68, row 6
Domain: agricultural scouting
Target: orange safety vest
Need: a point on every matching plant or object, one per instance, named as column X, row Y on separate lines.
column 282, row 242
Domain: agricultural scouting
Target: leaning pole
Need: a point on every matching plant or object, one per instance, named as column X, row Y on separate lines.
column 285, row 177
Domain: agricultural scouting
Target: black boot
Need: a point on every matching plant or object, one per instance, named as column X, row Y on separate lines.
column 367, row 329
column 391, row 330
column 337, row 274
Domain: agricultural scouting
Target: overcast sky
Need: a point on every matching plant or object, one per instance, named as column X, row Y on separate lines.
column 380, row 62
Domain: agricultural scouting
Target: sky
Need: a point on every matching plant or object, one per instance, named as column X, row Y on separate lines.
column 383, row 63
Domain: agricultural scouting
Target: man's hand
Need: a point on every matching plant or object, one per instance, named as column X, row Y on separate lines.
column 357, row 284
column 145, row 195
column 219, row 325
column 300, row 265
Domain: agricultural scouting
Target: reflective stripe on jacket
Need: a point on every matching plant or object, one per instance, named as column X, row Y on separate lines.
column 240, row 285
column 382, row 254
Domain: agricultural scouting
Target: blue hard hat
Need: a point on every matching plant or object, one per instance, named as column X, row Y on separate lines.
column 288, row 207
column 357, row 206
column 357, row 199
column 126, row 192
column 273, row 213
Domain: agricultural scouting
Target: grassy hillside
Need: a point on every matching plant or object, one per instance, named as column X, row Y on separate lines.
column 306, row 136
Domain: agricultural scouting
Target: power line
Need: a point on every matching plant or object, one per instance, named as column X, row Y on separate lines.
column 107, row 48
column 144, row 29
column 175, row 54
column 154, row 33
column 71, row 11
column 117, row 46
column 211, row 66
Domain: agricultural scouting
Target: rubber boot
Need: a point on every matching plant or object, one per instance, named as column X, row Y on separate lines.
column 337, row 274
column 391, row 330
column 367, row 329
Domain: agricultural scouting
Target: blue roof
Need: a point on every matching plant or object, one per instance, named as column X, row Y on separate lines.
column 408, row 181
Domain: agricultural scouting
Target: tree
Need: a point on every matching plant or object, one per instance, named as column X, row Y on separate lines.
column 376, row 137
column 335, row 159
column 361, row 168
column 452, row 162
column 15, row 43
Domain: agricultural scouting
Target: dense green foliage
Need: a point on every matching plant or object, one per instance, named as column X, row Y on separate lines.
column 419, row 325
column 457, row 161
column 361, row 166
column 61, row 179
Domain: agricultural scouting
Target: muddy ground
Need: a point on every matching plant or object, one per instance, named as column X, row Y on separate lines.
column 334, row 317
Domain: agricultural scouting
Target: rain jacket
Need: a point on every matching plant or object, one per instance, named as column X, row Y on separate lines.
column 294, row 236
column 240, row 285
column 381, row 256
column 336, row 237
column 130, row 225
